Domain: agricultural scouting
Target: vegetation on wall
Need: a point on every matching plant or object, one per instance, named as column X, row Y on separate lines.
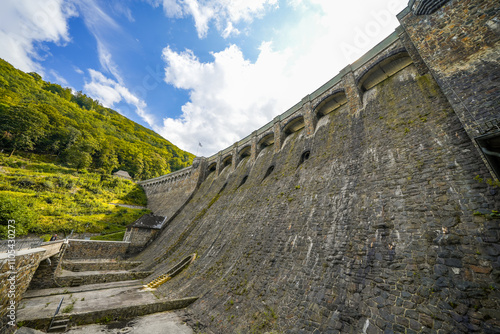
column 76, row 131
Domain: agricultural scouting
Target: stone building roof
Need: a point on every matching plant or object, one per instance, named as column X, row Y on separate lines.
column 122, row 173
column 149, row 221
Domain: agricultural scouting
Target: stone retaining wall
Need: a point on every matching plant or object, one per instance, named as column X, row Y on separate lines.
column 25, row 264
column 96, row 249
column 93, row 265
column 101, row 278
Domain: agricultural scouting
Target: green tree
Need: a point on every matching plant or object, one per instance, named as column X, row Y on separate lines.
column 106, row 158
column 79, row 155
column 12, row 209
column 21, row 126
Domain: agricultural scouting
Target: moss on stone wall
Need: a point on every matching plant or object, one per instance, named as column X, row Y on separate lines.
column 355, row 236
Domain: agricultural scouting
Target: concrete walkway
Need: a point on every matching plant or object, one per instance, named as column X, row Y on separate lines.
column 158, row 323
column 45, row 305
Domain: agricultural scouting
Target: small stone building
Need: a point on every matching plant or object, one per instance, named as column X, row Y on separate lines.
column 140, row 232
column 123, row 174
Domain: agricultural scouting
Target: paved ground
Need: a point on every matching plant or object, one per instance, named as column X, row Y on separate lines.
column 44, row 305
column 158, row 323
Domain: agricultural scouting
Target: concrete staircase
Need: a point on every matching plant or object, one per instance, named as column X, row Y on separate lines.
column 59, row 325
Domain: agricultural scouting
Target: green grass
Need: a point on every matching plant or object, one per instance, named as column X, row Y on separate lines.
column 45, row 198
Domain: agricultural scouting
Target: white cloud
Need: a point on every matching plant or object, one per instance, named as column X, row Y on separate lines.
column 231, row 96
column 24, row 24
column 59, row 79
column 109, row 92
column 100, row 25
column 77, row 70
column 224, row 13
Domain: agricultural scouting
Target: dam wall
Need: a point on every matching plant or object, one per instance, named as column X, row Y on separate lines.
column 168, row 193
column 368, row 207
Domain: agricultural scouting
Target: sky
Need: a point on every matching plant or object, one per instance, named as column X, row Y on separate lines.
column 201, row 73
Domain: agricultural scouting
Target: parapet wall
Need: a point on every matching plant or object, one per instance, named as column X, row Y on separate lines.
column 95, row 249
column 362, row 209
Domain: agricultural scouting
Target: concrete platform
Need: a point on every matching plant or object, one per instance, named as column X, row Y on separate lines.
column 164, row 322
column 104, row 303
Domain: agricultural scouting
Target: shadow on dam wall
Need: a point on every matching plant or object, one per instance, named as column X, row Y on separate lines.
column 369, row 207
column 378, row 229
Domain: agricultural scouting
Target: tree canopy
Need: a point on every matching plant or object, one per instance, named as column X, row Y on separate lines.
column 45, row 118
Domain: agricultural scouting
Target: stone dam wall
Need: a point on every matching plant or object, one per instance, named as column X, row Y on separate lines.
column 362, row 209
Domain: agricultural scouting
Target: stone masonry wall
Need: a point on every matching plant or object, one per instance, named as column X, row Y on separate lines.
column 384, row 229
column 26, row 263
column 45, row 275
column 169, row 193
column 460, row 43
column 96, row 249
column 86, row 265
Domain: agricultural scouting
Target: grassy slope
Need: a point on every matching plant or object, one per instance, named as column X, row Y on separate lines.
column 55, row 199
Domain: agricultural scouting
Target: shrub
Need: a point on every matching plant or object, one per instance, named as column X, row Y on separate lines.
column 17, row 210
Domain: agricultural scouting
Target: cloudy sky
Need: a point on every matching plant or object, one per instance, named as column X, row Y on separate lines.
column 194, row 71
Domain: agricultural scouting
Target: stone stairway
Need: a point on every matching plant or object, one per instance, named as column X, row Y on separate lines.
column 92, row 291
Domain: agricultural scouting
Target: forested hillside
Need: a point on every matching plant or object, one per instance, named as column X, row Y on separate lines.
column 76, row 131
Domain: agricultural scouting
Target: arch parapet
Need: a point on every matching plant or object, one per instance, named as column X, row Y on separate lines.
column 346, row 88
column 264, row 141
column 330, row 103
column 212, row 167
column 383, row 69
column 295, row 124
column 245, row 151
column 227, row 161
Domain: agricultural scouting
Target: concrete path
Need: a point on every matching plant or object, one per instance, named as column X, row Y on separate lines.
column 84, row 301
column 158, row 323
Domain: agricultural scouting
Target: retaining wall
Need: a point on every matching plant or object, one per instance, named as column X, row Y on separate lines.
column 96, row 249
column 15, row 277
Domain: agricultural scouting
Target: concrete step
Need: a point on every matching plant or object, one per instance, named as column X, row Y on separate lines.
column 60, row 329
column 60, row 322
column 59, row 325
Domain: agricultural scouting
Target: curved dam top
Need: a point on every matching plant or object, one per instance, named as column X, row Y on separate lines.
column 371, row 206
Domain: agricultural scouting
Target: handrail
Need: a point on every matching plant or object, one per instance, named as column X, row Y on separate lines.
column 57, row 311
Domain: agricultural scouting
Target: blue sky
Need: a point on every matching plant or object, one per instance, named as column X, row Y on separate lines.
column 208, row 71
